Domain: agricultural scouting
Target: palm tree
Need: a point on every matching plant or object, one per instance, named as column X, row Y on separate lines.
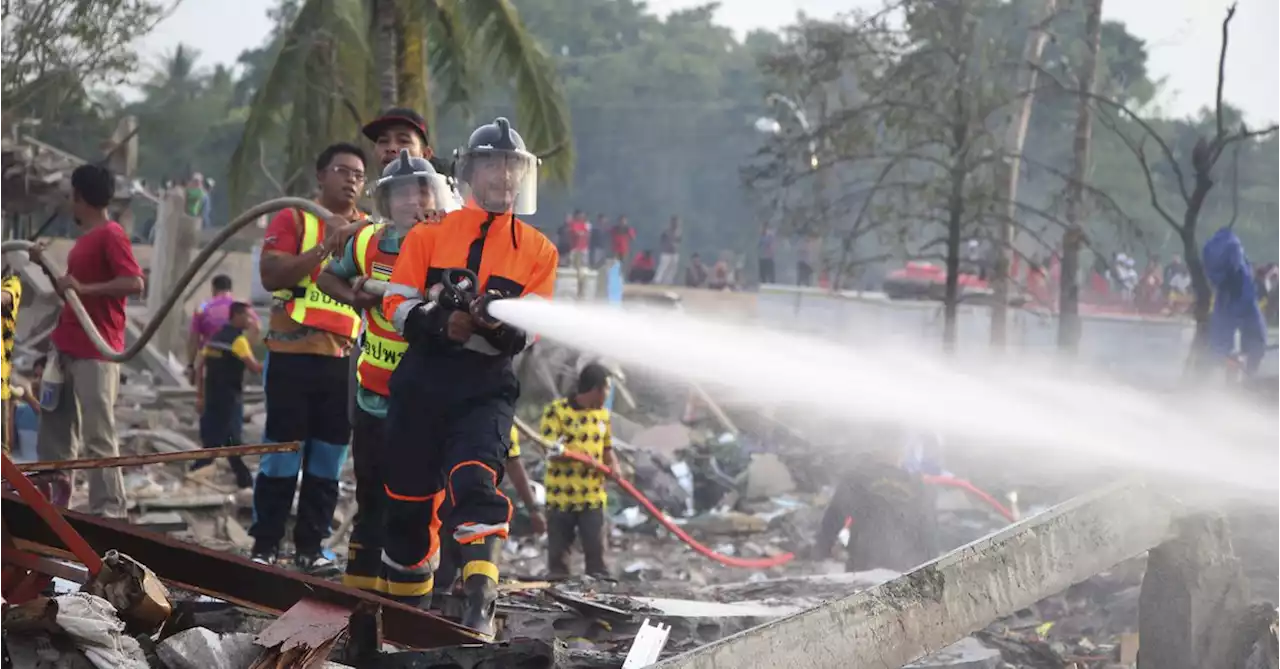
column 175, row 78
column 340, row 61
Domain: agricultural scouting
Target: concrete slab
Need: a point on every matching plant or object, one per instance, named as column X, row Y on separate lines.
column 949, row 598
column 687, row 608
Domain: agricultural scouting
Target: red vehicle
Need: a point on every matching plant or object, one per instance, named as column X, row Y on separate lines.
column 927, row 281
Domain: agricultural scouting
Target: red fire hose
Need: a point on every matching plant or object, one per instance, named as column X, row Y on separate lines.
column 728, row 560
column 970, row 488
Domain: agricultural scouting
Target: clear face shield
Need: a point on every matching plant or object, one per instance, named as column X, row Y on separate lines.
column 499, row 181
column 408, row 200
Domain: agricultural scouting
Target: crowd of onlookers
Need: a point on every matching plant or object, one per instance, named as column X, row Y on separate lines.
column 583, row 243
column 586, row 243
column 1160, row 288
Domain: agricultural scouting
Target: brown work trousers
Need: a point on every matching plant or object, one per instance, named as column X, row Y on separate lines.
column 85, row 419
column 563, row 527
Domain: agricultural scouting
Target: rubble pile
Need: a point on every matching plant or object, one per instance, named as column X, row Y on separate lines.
column 745, row 485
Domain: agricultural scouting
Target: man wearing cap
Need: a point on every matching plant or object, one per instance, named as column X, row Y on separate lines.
column 399, row 129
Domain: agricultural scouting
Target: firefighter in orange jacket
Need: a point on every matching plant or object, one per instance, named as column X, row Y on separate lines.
column 453, row 394
column 408, row 193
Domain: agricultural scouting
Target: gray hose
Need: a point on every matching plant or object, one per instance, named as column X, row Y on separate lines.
column 236, row 224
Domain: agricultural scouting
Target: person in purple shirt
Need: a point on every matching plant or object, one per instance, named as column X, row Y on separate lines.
column 209, row 317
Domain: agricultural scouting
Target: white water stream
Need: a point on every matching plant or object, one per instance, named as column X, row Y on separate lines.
column 1039, row 416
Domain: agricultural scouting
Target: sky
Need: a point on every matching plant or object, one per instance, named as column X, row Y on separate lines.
column 1182, row 36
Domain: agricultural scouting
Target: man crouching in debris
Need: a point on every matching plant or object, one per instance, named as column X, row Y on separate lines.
column 575, row 492
column 893, row 512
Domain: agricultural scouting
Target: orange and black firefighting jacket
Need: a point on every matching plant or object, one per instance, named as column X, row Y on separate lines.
column 507, row 255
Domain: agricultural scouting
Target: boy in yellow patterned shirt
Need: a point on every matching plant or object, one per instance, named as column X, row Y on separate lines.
column 12, row 291
column 575, row 492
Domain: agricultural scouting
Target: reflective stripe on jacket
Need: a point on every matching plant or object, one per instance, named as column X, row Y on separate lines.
column 306, row 304
column 382, row 347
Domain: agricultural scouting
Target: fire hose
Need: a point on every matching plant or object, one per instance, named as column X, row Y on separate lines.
column 728, row 560
column 627, row 487
column 175, row 295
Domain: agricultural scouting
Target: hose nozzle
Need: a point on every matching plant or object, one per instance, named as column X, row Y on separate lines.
column 480, row 309
column 457, row 289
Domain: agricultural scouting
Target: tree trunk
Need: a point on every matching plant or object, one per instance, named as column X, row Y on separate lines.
column 1203, row 292
column 412, row 72
column 1016, row 135
column 1200, row 359
column 955, row 220
column 385, row 49
column 123, row 160
column 1069, row 273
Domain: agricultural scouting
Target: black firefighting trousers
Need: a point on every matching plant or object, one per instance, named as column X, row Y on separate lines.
column 441, row 444
column 364, row 553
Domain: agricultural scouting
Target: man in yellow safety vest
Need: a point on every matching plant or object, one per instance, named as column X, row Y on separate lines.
column 306, row 370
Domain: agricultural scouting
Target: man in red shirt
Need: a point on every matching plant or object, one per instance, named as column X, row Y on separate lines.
column 580, row 244
column 101, row 269
column 623, row 234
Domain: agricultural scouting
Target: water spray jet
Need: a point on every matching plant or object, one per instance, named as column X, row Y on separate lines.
column 1210, row 446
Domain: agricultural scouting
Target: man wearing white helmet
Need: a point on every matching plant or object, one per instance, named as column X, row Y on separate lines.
column 409, row 193
column 453, row 395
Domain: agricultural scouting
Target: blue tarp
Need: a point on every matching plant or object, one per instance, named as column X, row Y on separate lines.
column 1235, row 300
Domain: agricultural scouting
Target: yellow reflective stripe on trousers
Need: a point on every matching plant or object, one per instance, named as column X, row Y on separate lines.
column 397, row 589
column 480, row 568
column 372, row 583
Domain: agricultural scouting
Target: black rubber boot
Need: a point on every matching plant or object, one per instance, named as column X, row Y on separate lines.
column 480, row 585
column 448, row 573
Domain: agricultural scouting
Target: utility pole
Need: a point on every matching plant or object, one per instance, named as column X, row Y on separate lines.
column 176, row 239
column 1072, row 240
column 122, row 160
column 1015, row 136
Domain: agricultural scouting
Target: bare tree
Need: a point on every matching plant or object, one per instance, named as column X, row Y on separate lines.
column 1072, row 240
column 804, row 178
column 1192, row 189
column 53, row 48
column 912, row 142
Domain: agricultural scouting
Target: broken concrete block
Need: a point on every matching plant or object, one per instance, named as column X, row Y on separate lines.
column 236, row 533
column 726, row 523
column 767, row 477
column 162, row 521
column 199, row 501
column 663, row 439
column 200, row 648
column 968, row 653
column 1194, row 603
